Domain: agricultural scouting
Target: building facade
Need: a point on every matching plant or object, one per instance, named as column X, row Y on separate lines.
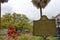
column 57, row 18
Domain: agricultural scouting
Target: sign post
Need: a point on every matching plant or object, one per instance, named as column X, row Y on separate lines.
column 43, row 27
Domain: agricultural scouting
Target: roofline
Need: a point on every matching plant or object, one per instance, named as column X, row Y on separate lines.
column 57, row 15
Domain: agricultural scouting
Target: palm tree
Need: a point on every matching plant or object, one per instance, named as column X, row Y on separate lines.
column 40, row 4
column 2, row 1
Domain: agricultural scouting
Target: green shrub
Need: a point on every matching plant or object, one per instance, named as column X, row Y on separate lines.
column 51, row 38
column 39, row 38
column 23, row 38
column 1, row 38
column 32, row 38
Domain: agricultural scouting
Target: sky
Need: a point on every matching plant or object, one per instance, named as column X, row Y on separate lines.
column 26, row 7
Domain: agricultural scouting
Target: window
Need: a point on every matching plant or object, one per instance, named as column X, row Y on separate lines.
column 58, row 22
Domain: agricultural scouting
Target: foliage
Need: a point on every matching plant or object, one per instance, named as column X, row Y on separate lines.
column 1, row 38
column 51, row 38
column 40, row 3
column 30, row 37
column 18, row 20
column 23, row 38
column 36, row 3
column 39, row 38
column 2, row 1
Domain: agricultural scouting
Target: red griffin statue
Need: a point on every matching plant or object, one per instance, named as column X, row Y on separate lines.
column 12, row 33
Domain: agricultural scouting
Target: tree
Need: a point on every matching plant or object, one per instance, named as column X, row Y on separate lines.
column 5, row 20
column 2, row 1
column 18, row 20
column 40, row 4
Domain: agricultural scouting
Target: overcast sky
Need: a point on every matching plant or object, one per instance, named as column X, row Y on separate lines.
column 26, row 7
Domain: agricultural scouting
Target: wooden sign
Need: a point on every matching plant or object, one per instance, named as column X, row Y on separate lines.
column 44, row 27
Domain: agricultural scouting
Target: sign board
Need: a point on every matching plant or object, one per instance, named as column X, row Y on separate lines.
column 44, row 26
